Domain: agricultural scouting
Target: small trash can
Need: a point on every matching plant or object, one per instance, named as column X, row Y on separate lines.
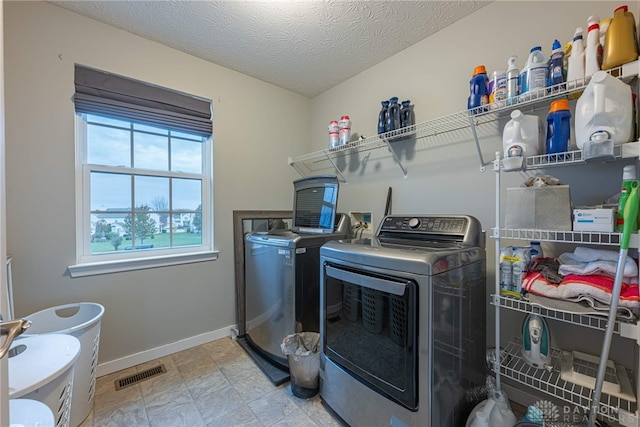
column 81, row 320
column 303, row 356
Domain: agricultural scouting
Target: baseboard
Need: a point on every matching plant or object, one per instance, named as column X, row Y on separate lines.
column 155, row 353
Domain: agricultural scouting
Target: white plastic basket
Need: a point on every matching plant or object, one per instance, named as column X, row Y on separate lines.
column 81, row 320
column 41, row 367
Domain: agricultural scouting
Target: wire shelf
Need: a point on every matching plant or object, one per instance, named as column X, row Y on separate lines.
column 585, row 320
column 513, row 366
column 558, row 236
column 467, row 121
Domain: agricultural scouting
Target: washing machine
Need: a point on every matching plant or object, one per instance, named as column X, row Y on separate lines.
column 407, row 346
column 282, row 272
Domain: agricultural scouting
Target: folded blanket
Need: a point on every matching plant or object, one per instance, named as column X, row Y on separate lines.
column 587, row 261
column 573, row 287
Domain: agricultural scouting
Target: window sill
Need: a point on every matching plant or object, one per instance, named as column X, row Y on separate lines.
column 98, row 268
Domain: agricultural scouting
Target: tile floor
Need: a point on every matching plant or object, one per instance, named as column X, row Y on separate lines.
column 215, row 384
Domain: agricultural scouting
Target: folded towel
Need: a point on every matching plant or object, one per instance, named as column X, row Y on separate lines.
column 586, row 261
column 574, row 286
column 581, row 305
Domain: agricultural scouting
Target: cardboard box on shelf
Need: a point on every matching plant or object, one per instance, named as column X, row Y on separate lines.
column 541, row 208
column 601, row 219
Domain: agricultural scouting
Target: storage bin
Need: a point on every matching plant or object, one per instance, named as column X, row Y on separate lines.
column 542, row 208
column 50, row 383
column 81, row 320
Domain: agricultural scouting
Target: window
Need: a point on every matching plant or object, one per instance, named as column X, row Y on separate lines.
column 144, row 177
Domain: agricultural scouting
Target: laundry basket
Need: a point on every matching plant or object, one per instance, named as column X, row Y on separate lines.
column 81, row 320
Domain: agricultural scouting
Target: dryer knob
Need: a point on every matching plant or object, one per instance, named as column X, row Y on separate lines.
column 414, row 223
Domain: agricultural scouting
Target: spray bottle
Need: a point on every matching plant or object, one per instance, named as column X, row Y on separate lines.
column 628, row 196
column 513, row 74
column 575, row 67
column 593, row 49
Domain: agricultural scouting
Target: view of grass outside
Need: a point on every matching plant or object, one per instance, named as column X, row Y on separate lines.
column 160, row 240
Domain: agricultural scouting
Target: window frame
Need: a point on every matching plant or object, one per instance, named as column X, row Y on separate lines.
column 92, row 264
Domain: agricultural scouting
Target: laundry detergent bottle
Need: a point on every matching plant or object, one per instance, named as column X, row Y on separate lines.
column 522, row 136
column 556, row 67
column 620, row 44
column 558, row 128
column 576, row 62
column 604, row 111
column 478, row 89
column 533, row 77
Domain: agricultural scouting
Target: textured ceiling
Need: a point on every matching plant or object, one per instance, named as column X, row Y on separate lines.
column 306, row 46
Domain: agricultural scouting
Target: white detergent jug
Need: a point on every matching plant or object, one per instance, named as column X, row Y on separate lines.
column 493, row 412
column 604, row 115
column 522, row 136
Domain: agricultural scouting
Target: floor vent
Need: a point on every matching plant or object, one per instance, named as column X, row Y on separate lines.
column 140, row 376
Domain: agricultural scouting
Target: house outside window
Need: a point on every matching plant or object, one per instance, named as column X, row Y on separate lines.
column 144, row 182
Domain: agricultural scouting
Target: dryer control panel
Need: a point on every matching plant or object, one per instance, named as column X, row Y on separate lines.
column 461, row 228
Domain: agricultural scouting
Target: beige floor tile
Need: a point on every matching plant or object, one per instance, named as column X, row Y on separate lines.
column 175, row 414
column 216, row 384
column 243, row 417
column 296, row 418
column 194, row 368
column 206, row 384
column 253, row 386
column 272, row 407
column 126, row 415
column 219, row 403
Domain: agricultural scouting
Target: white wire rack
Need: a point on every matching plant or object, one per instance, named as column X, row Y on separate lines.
column 559, row 236
column 429, row 133
column 513, row 366
column 628, row 329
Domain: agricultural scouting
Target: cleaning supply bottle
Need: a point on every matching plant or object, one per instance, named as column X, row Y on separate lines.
column 498, row 87
column 334, row 137
column 593, row 50
column 512, row 80
column 575, row 65
column 479, row 89
column 393, row 115
column 629, row 182
column 604, row 26
column 536, row 251
column 406, row 114
column 533, row 77
column 556, row 68
column 620, row 44
column 522, row 135
column 382, row 117
column 558, row 128
column 344, row 130
column 604, row 111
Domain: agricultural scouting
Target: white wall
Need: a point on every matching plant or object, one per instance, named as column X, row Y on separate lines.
column 149, row 308
column 444, row 173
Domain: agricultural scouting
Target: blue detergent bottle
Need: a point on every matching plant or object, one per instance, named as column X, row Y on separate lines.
column 406, row 114
column 556, row 69
column 393, row 114
column 558, row 128
column 382, row 117
column 479, row 89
